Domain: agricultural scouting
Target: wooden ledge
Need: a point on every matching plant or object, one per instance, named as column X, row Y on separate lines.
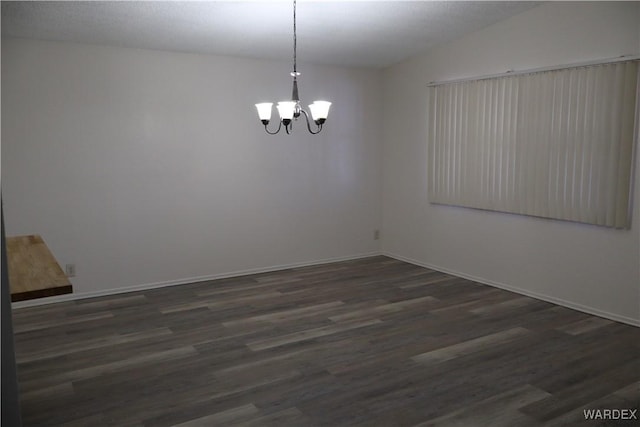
column 33, row 270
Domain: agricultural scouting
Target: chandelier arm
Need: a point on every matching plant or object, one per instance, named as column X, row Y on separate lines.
column 306, row 116
column 277, row 130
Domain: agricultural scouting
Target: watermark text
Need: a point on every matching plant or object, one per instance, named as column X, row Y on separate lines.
column 610, row 414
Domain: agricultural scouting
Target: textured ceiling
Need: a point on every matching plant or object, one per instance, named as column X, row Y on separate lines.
column 351, row 33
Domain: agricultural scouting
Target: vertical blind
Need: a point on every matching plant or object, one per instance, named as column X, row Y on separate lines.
column 555, row 144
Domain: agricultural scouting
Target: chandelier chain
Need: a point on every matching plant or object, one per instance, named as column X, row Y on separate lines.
column 295, row 40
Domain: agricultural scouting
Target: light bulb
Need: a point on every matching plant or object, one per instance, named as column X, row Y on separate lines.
column 319, row 111
column 286, row 109
column 264, row 111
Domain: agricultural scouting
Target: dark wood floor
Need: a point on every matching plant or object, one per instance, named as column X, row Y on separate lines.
column 374, row 342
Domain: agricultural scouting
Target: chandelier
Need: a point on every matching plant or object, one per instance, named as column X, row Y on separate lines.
column 291, row 110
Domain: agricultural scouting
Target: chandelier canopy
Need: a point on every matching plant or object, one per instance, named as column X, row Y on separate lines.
column 291, row 110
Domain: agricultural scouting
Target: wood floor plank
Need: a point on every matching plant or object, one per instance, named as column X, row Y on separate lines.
column 583, row 392
column 505, row 305
column 631, row 392
column 447, row 353
column 500, row 410
column 309, row 334
column 228, row 417
column 287, row 417
column 95, row 343
column 48, row 323
column 382, row 309
column 284, row 315
column 585, row 325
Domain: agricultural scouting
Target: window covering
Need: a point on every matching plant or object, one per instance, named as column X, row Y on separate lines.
column 555, row 144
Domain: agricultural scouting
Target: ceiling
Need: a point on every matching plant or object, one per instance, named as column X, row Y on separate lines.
column 349, row 33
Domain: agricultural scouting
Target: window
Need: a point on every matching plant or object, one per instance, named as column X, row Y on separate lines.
column 554, row 144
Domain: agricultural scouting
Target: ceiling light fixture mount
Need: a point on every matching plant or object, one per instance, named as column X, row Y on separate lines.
column 291, row 110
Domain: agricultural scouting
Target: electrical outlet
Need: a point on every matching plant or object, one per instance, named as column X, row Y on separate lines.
column 70, row 270
column 376, row 234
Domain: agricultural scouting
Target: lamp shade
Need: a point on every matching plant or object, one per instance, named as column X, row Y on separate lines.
column 319, row 109
column 264, row 110
column 286, row 109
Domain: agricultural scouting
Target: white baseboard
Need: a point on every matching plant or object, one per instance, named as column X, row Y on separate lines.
column 146, row 286
column 184, row 281
column 585, row 309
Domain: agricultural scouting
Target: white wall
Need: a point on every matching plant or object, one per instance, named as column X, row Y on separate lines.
column 587, row 267
column 144, row 166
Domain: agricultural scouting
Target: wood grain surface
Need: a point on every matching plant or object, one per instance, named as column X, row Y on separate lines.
column 33, row 270
column 370, row 342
